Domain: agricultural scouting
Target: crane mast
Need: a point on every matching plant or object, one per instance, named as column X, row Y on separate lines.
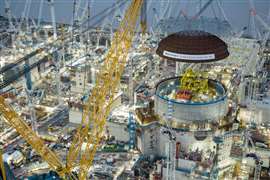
column 40, row 12
column 51, row 3
column 98, row 106
column 8, row 13
column 144, row 17
column 29, row 92
column 30, row 137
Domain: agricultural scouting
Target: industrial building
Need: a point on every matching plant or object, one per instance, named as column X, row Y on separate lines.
column 134, row 90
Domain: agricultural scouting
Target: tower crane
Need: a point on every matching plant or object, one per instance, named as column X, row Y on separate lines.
column 40, row 12
column 252, row 11
column 24, row 17
column 30, row 94
column 205, row 6
column 56, row 58
column 96, row 109
column 255, row 63
column 51, row 4
column 8, row 12
column 164, row 9
column 144, row 17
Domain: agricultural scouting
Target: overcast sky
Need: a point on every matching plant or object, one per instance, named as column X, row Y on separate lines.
column 237, row 11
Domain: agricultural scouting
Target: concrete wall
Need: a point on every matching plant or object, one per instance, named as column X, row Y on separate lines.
column 75, row 116
column 180, row 175
column 261, row 113
column 80, row 80
column 119, row 131
column 187, row 142
column 148, row 139
column 182, row 112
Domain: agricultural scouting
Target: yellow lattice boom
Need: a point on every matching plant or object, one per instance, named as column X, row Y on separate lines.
column 3, row 170
column 196, row 82
column 98, row 107
column 31, row 138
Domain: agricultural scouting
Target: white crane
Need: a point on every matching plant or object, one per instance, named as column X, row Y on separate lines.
column 252, row 12
column 165, row 8
column 51, row 4
column 56, row 59
column 8, row 13
column 255, row 62
column 40, row 12
column 24, row 17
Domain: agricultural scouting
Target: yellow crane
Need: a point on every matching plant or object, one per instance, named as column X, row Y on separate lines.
column 2, row 165
column 96, row 109
column 99, row 104
column 196, row 82
column 32, row 138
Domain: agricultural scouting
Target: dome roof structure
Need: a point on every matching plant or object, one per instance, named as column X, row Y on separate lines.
column 193, row 47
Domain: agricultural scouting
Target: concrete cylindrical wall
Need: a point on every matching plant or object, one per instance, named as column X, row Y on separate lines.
column 191, row 111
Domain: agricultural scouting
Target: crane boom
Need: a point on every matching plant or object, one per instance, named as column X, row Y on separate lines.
column 31, row 138
column 202, row 9
column 144, row 17
column 98, row 107
column 2, row 165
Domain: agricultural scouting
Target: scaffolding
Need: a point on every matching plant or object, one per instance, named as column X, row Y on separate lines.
column 132, row 131
column 195, row 82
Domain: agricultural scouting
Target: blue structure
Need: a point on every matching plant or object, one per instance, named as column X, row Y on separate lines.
column 48, row 176
column 27, row 75
column 170, row 110
column 132, row 131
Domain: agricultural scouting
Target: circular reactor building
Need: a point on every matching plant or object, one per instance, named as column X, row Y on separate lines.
column 191, row 101
column 205, row 108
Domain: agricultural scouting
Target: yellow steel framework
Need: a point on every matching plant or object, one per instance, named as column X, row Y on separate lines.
column 31, row 137
column 196, row 82
column 96, row 109
column 99, row 104
column 2, row 165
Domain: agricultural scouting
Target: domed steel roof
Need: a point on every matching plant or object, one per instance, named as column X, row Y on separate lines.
column 192, row 46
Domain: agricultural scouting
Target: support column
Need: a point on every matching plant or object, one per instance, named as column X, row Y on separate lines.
column 176, row 68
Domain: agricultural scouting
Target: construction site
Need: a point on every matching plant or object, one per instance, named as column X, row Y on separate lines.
column 134, row 91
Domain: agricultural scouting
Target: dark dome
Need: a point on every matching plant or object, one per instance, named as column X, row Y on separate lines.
column 192, row 46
